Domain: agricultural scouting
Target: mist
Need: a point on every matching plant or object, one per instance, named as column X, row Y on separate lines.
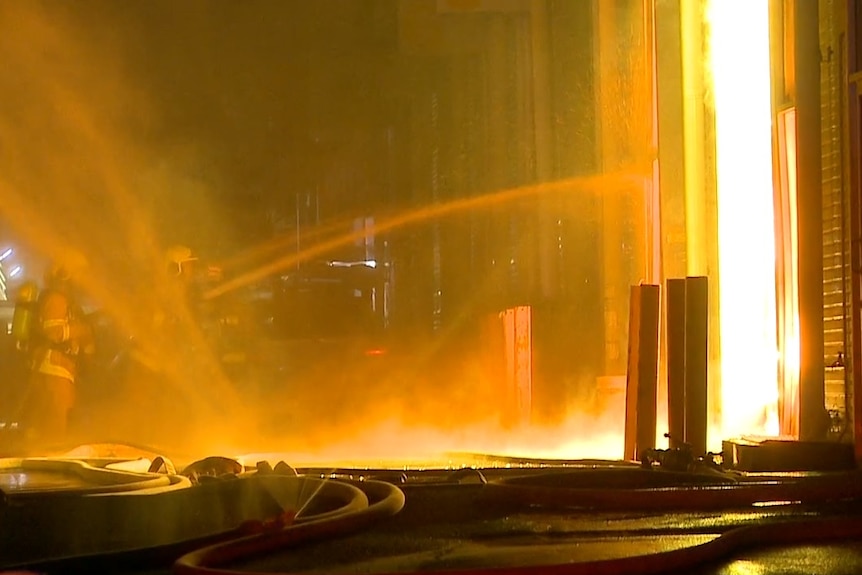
column 81, row 170
column 272, row 137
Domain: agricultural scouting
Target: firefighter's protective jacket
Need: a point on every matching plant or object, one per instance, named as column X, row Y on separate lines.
column 63, row 335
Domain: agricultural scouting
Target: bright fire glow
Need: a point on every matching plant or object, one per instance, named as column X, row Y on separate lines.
column 790, row 356
column 517, row 332
column 395, row 444
column 740, row 69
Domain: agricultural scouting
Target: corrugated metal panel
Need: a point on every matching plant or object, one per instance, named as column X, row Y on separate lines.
column 836, row 245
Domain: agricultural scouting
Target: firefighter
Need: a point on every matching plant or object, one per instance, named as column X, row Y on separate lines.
column 61, row 334
column 182, row 268
column 180, row 262
column 191, row 279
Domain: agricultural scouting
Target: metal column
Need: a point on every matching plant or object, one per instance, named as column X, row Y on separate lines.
column 696, row 362
column 642, row 375
column 813, row 422
column 675, row 328
column 688, row 362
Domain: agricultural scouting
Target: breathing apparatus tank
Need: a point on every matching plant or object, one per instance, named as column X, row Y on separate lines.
column 24, row 314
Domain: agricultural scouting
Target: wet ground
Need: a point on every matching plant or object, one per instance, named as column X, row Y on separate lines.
column 834, row 559
column 451, row 527
column 449, row 522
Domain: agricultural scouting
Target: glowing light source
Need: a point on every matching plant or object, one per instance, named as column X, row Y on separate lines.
column 740, row 70
column 518, row 335
column 6, row 253
column 789, row 302
column 16, row 271
column 341, row 264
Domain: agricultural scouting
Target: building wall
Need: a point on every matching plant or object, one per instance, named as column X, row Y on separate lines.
column 534, row 114
column 851, row 11
column 836, row 219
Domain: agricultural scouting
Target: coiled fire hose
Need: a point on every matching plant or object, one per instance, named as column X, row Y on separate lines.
column 772, row 533
column 735, row 540
column 385, row 500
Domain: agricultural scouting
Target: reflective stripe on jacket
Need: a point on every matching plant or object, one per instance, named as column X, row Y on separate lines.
column 56, row 350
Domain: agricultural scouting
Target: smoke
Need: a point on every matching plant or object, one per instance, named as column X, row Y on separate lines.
column 391, row 434
column 100, row 152
column 79, row 170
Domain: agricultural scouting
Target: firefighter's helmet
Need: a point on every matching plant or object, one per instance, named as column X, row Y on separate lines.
column 178, row 256
column 66, row 265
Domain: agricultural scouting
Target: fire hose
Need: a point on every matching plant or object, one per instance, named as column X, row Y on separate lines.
column 385, row 500
column 784, row 532
column 735, row 540
column 523, row 491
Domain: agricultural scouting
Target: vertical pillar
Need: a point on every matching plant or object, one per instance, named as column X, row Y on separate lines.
column 609, row 139
column 675, row 329
column 671, row 137
column 852, row 154
column 541, row 84
column 812, row 404
column 694, row 136
column 642, row 375
column 667, row 38
column 696, row 361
